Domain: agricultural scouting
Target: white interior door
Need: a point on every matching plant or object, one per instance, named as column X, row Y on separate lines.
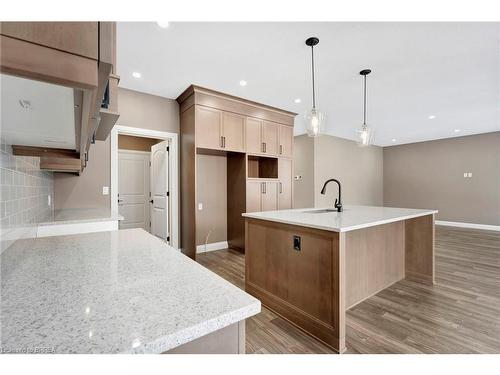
column 159, row 190
column 133, row 189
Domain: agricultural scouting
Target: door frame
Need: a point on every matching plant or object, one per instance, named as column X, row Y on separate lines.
column 173, row 171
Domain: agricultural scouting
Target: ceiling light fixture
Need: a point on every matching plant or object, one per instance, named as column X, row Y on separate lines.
column 136, row 75
column 365, row 134
column 432, row 117
column 314, row 118
column 243, row 82
column 297, row 100
column 162, row 24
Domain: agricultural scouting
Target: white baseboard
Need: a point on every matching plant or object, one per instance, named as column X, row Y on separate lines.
column 211, row 247
column 468, row 225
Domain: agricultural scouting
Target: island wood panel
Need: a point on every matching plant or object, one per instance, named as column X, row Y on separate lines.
column 305, row 287
column 188, row 191
column 419, row 245
column 375, row 260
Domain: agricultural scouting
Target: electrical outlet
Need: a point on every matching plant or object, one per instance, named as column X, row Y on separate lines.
column 200, row 206
column 469, row 174
column 105, row 190
column 465, row 174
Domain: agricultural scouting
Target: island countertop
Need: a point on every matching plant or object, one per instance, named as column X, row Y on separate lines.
column 121, row 291
column 352, row 218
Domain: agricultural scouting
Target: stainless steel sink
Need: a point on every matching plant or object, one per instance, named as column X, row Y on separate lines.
column 321, row 211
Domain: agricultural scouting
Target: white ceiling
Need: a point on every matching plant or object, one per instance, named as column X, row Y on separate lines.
column 48, row 123
column 449, row 70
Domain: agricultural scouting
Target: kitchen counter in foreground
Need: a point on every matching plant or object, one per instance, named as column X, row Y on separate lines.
column 121, row 291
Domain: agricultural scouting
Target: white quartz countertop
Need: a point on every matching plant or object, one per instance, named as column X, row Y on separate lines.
column 111, row 292
column 352, row 218
column 81, row 215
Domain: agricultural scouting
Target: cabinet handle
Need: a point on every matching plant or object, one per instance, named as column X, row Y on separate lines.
column 264, row 146
column 265, row 188
column 224, row 142
column 281, row 149
column 281, row 188
column 221, row 141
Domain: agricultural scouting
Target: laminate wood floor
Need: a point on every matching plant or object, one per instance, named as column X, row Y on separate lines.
column 459, row 314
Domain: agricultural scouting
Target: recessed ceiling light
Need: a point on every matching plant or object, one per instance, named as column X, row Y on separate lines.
column 297, row 100
column 243, row 82
column 432, row 117
column 162, row 24
column 457, row 130
column 393, row 139
column 136, row 75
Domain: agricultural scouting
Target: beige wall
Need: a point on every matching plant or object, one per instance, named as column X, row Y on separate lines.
column 430, row 175
column 211, row 174
column 303, row 165
column 360, row 170
column 137, row 110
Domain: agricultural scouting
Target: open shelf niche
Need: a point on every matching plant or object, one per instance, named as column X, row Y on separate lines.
column 262, row 167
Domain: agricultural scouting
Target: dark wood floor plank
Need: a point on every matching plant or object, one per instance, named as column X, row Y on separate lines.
column 459, row 314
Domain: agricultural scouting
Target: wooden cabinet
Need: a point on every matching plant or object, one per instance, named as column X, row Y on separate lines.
column 286, row 141
column 285, row 172
column 269, row 196
column 262, row 196
column 233, row 132
column 208, row 128
column 219, row 130
column 254, row 136
column 270, row 138
column 262, row 137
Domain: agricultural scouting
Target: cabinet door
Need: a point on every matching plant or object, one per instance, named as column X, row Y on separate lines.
column 270, row 138
column 286, row 141
column 285, row 184
column 254, row 195
column 208, row 128
column 254, row 136
column 233, row 132
column 270, row 196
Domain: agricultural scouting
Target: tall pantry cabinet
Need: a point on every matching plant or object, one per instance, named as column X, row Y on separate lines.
column 256, row 141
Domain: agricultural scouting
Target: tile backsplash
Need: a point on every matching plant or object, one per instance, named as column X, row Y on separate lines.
column 24, row 196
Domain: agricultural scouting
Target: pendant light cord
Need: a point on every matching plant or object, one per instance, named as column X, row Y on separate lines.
column 312, row 64
column 364, row 105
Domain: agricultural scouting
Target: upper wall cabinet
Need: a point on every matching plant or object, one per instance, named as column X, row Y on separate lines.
column 73, row 61
column 262, row 137
column 219, row 130
column 286, row 141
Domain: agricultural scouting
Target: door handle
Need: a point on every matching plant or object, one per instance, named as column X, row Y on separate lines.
column 151, row 201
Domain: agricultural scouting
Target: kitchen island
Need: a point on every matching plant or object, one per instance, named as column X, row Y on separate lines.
column 122, row 291
column 311, row 265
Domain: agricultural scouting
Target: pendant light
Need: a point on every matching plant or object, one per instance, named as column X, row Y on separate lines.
column 365, row 134
column 314, row 118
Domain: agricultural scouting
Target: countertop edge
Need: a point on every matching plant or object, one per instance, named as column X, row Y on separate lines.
column 341, row 230
column 186, row 335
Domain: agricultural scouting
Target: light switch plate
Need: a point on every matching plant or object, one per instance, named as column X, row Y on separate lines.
column 200, row 206
column 105, row 190
column 465, row 174
column 469, row 174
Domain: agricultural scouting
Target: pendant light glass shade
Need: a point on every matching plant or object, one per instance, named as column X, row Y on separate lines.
column 314, row 122
column 365, row 133
column 313, row 117
column 364, row 136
